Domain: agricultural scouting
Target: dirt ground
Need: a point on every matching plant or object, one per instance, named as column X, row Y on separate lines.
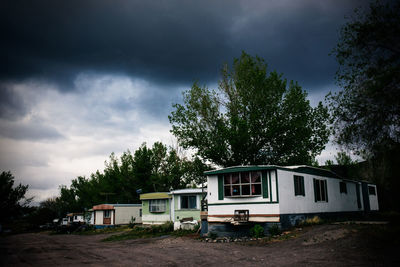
column 323, row 245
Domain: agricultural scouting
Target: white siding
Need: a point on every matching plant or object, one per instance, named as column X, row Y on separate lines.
column 99, row 217
column 256, row 205
column 373, row 199
column 123, row 215
column 337, row 202
column 155, row 219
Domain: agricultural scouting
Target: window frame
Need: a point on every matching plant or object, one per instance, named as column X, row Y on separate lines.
column 343, row 187
column 157, row 205
column 321, row 190
column 369, row 190
column 186, row 198
column 298, row 182
column 107, row 214
column 250, row 184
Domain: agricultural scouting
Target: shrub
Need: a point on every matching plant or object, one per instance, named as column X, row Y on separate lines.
column 212, row 235
column 132, row 222
column 257, row 231
column 274, row 230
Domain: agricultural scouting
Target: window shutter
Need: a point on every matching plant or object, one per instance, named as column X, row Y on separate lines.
column 264, row 185
column 295, row 185
column 220, row 187
column 326, row 190
column 315, row 190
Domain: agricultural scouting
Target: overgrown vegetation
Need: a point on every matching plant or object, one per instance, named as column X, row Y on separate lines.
column 274, row 230
column 257, row 231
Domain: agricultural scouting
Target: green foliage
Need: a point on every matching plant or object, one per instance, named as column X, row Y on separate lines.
column 12, row 198
column 132, row 222
column 255, row 117
column 274, row 230
column 367, row 111
column 257, row 231
column 212, row 235
column 149, row 169
column 344, row 159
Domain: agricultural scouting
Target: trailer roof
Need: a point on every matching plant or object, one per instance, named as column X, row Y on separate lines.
column 301, row 169
column 155, row 195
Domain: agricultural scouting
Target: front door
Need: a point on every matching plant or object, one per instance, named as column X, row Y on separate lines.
column 107, row 217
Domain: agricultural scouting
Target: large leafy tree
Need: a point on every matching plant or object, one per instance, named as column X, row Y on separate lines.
column 255, row 117
column 367, row 110
column 12, row 198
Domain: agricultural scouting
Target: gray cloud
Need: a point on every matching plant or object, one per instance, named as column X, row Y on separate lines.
column 28, row 131
column 173, row 42
column 12, row 104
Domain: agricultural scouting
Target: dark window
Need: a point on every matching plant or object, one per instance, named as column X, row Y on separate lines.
column 371, row 190
column 107, row 214
column 242, row 184
column 343, row 187
column 320, row 190
column 188, row 202
column 299, row 185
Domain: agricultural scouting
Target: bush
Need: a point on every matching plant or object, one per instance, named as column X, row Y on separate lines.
column 212, row 235
column 132, row 222
column 257, row 231
column 274, row 230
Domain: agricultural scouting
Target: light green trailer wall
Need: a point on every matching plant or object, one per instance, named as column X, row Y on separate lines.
column 146, row 204
column 186, row 213
column 155, row 217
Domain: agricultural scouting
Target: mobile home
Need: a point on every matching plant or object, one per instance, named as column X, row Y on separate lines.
column 116, row 214
column 268, row 194
column 182, row 207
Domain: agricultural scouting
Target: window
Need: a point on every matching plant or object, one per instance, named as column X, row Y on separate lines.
column 299, row 185
column 371, row 190
column 320, row 190
column 157, row 205
column 140, row 212
column 343, row 187
column 242, row 184
column 188, row 202
column 107, row 214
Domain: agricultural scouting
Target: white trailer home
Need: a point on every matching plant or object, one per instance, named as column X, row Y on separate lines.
column 75, row 218
column 105, row 215
column 268, row 194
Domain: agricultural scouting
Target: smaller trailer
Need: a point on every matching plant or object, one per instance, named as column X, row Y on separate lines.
column 105, row 215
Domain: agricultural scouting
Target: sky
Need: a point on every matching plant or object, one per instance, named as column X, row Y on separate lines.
column 80, row 79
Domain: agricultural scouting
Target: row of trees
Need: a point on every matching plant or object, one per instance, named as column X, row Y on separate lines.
column 148, row 169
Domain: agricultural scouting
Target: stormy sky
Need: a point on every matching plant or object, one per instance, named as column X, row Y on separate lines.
column 80, row 79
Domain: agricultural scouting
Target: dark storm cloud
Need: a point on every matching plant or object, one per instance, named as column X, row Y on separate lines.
column 173, row 42
column 11, row 104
